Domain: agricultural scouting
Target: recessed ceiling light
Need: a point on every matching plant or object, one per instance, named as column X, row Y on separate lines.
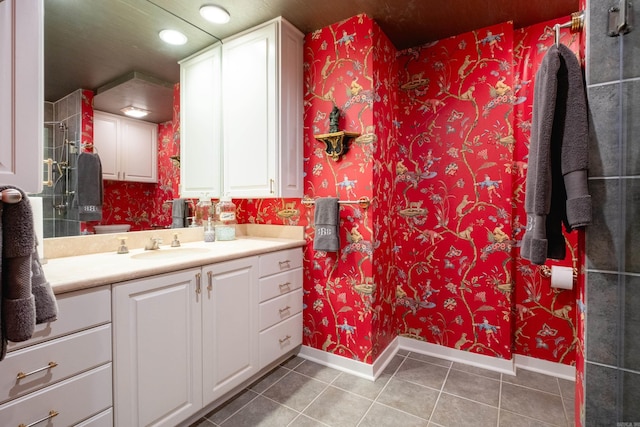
column 134, row 112
column 215, row 14
column 173, row 37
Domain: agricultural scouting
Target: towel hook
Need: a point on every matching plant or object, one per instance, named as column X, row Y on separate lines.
column 575, row 25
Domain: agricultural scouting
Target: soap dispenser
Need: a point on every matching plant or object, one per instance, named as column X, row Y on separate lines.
column 203, row 210
column 209, row 233
column 226, row 219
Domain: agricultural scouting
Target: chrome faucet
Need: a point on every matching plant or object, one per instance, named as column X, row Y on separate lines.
column 153, row 244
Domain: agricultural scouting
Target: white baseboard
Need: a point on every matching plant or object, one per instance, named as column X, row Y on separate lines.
column 474, row 359
column 371, row 372
column 545, row 367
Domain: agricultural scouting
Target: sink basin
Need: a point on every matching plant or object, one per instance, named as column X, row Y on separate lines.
column 169, row 253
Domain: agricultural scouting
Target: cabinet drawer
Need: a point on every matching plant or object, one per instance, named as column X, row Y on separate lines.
column 280, row 284
column 279, row 339
column 103, row 419
column 75, row 400
column 277, row 262
column 76, row 311
column 278, row 309
column 73, row 354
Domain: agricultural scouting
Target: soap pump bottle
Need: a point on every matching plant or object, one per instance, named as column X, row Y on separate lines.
column 209, row 233
column 203, row 210
column 225, row 219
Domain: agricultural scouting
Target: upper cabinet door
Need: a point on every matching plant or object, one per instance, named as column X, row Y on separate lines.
column 200, row 124
column 262, row 114
column 21, row 93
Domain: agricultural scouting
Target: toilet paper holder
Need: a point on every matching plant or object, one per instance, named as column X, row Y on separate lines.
column 545, row 271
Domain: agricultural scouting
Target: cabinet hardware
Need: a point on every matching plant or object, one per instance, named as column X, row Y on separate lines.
column 210, row 280
column 282, row 310
column 285, row 339
column 49, row 181
column 198, row 276
column 52, row 414
column 271, row 184
column 50, row 365
column 284, row 286
column 284, row 264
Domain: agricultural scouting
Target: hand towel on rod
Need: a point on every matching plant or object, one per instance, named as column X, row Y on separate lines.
column 179, row 213
column 88, row 196
column 327, row 221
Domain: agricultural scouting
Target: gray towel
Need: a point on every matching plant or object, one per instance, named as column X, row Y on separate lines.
column 327, row 220
column 88, row 197
column 179, row 213
column 556, row 189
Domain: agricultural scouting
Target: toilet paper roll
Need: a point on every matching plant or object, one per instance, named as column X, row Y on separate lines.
column 561, row 277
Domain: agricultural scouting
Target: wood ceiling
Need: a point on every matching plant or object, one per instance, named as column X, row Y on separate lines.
column 89, row 43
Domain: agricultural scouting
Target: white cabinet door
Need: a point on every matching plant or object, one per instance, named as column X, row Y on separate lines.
column 21, row 93
column 249, row 113
column 157, row 349
column 139, row 142
column 200, row 124
column 128, row 148
column 230, row 325
column 106, row 129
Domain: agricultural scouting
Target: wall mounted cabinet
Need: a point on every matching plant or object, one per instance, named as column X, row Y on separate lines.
column 22, row 100
column 250, row 125
column 128, row 148
column 200, row 124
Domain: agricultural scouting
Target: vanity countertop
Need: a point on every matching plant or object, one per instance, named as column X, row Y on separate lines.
column 73, row 273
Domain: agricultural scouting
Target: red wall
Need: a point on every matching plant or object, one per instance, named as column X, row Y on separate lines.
column 436, row 256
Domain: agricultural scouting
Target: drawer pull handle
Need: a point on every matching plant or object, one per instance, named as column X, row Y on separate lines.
column 285, row 285
column 210, row 280
column 284, row 264
column 198, row 277
column 282, row 310
column 52, row 414
column 49, row 365
column 285, row 339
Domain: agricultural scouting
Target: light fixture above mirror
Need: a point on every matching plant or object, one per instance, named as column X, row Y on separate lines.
column 214, row 13
column 173, row 37
column 134, row 112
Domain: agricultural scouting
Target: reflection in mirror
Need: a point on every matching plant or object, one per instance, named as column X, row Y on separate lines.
column 88, row 45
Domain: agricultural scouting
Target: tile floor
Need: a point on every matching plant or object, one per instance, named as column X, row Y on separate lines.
column 414, row 390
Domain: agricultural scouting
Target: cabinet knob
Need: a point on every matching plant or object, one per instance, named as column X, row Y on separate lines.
column 52, row 414
column 271, row 186
column 284, row 310
column 284, row 264
column 210, row 280
column 284, row 340
column 285, row 286
column 198, row 277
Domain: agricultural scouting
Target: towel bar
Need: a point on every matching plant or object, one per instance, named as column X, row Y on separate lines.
column 364, row 202
column 10, row 195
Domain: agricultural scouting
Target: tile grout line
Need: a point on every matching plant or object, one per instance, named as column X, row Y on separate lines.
column 499, row 401
column 435, row 405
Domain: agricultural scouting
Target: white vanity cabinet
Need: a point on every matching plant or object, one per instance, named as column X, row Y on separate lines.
column 128, row 148
column 229, row 326
column 200, row 124
column 157, row 351
column 280, row 294
column 63, row 373
column 262, row 114
column 22, row 89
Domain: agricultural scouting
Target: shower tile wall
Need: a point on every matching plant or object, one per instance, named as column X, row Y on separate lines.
column 60, row 145
column 612, row 372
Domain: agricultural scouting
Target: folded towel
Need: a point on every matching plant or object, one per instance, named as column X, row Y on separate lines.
column 179, row 213
column 26, row 296
column 327, row 220
column 556, row 190
column 88, row 196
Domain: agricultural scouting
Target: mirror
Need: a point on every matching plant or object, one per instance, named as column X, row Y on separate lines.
column 90, row 44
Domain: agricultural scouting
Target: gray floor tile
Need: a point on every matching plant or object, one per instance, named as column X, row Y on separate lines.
column 422, row 373
column 268, row 380
column 409, row 397
column 295, row 390
column 509, row 419
column 317, row 371
column 475, row 370
column 338, row 408
column 261, row 412
column 383, row 416
column 292, row 362
column 403, row 352
column 534, row 380
column 567, row 388
column 542, row 406
column 473, row 387
column 304, row 421
column 361, row 386
column 203, row 422
column 393, row 365
column 230, row 407
column 430, row 359
column 570, row 411
column 455, row 411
